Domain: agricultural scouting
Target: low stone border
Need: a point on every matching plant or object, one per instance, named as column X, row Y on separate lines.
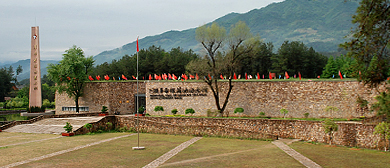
column 171, row 153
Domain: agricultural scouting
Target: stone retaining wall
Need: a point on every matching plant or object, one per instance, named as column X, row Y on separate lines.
column 349, row 134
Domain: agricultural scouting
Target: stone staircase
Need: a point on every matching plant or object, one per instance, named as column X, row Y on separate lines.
column 53, row 125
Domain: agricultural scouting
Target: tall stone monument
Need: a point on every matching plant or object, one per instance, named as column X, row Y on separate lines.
column 35, row 70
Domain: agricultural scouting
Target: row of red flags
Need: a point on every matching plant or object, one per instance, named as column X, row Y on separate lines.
column 185, row 77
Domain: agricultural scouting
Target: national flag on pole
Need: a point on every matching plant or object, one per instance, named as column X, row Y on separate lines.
column 341, row 76
column 174, row 76
column 234, row 76
column 150, row 77
column 133, row 77
column 270, row 76
column 246, row 76
column 258, row 76
column 98, row 77
column 192, row 76
column 286, row 74
column 221, row 76
column 90, row 78
column 299, row 74
column 197, row 77
column 137, row 45
column 209, row 77
column 106, row 77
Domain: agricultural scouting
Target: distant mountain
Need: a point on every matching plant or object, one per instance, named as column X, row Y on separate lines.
column 321, row 24
column 26, row 67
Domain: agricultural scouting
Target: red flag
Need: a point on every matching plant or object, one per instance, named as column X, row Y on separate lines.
column 270, row 76
column 286, row 74
column 90, row 78
column 169, row 76
column 246, row 76
column 150, row 77
column 263, row 76
column 174, row 76
column 192, row 76
column 124, row 77
column 106, row 77
column 197, row 77
column 221, row 76
column 209, row 77
column 299, row 74
column 98, row 77
column 234, row 76
column 133, row 77
column 137, row 45
column 185, row 77
column 258, row 76
column 341, row 76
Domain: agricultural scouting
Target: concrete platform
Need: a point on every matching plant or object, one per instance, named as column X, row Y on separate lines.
column 53, row 125
column 37, row 114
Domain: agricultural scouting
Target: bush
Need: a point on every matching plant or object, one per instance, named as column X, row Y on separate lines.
column 46, row 103
column 261, row 114
column 239, row 110
column 306, row 115
column 141, row 110
column 284, row 112
column 158, row 108
column 88, row 126
column 109, row 125
column 36, row 109
column 104, row 109
column 190, row 111
column 68, row 127
column 174, row 111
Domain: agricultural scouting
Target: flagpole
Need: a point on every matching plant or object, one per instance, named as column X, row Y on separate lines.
column 136, row 111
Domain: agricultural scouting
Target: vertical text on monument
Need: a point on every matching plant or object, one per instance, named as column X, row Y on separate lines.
column 35, row 70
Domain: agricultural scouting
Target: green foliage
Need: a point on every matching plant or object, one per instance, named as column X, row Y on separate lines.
column 109, row 125
column 6, row 76
column 306, row 115
column 382, row 106
column 153, row 60
column 329, row 126
column 17, row 102
column 174, row 111
column 294, row 57
column 88, row 126
column 369, row 44
column 35, row 109
column 383, row 129
column 68, row 127
column 284, row 112
column 331, row 109
column 104, row 109
column 71, row 73
column 239, row 110
column 46, row 103
column 190, row 111
column 141, row 110
column 212, row 113
column 158, row 108
column 261, row 114
column 330, row 69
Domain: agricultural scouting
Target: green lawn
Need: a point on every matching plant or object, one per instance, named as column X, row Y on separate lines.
column 338, row 156
column 207, row 152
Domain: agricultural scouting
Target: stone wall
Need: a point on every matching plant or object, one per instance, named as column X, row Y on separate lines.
column 117, row 96
column 349, row 134
column 297, row 97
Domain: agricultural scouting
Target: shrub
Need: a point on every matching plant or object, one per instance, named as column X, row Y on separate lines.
column 261, row 114
column 174, row 111
column 109, row 125
column 68, row 127
column 88, row 126
column 141, row 110
column 383, row 129
column 46, row 103
column 36, row 109
column 190, row 111
column 306, row 115
column 284, row 112
column 239, row 110
column 212, row 113
column 329, row 127
column 104, row 109
column 158, row 108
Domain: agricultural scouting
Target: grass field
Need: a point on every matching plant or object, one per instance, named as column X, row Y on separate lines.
column 207, row 152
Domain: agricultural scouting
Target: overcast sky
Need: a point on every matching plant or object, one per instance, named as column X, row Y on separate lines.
column 99, row 25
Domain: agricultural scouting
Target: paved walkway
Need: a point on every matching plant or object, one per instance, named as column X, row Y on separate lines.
column 53, row 125
column 171, row 153
column 297, row 156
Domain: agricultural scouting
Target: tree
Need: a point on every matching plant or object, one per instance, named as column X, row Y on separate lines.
column 215, row 63
column 71, row 73
column 370, row 41
column 330, row 69
column 6, row 76
column 19, row 70
column 383, row 129
column 329, row 127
